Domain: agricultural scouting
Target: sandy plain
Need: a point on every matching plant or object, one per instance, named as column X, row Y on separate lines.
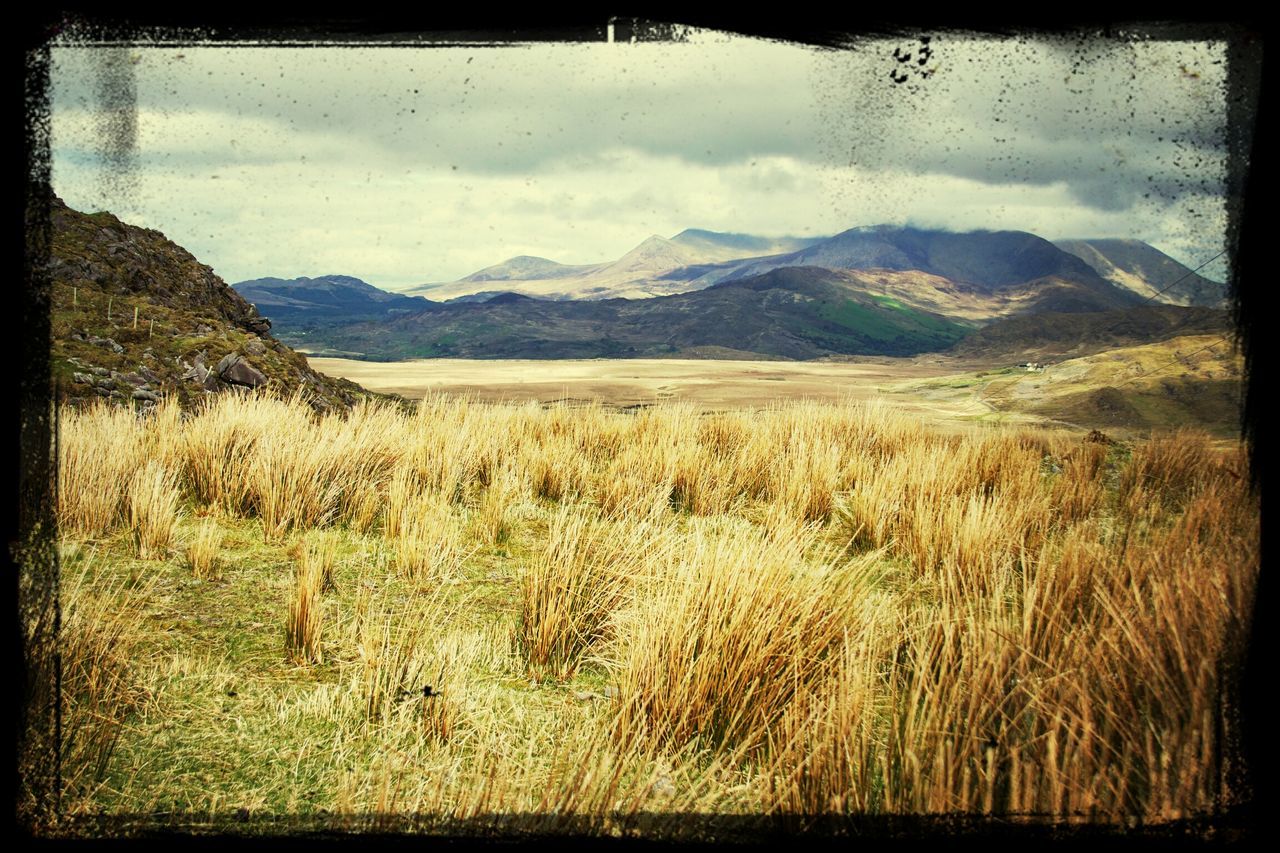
column 711, row 385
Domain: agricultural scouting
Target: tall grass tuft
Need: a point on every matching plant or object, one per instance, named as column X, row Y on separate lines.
column 430, row 544
column 492, row 518
column 153, row 510
column 1170, row 467
column 204, row 551
column 716, row 647
column 290, row 485
column 99, row 682
column 570, row 590
column 219, row 443
column 304, row 622
column 99, row 449
column 315, row 554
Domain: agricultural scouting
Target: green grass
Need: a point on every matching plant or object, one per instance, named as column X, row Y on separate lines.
column 858, row 318
column 888, row 302
column 890, row 322
column 198, row 748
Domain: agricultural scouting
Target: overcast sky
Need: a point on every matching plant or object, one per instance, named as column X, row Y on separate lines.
column 409, row 165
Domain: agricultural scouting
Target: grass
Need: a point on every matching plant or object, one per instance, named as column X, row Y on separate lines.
column 591, row 621
column 153, row 509
column 304, row 622
column 204, row 551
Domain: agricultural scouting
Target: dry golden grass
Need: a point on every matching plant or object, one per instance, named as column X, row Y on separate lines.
column 153, row 510
column 492, row 519
column 315, row 554
column 403, row 671
column 716, row 647
column 570, row 590
column 216, row 457
column 98, row 452
column 429, row 546
column 810, row 609
column 98, row 638
column 304, row 623
column 204, row 551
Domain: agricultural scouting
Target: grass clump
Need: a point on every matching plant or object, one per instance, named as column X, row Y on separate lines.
column 153, row 510
column 204, row 551
column 304, row 622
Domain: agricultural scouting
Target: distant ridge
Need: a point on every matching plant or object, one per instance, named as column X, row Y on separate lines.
column 527, row 268
column 1147, row 271
column 533, row 307
column 328, row 296
column 793, row 313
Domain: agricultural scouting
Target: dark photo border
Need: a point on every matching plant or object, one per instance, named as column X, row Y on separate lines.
column 32, row 535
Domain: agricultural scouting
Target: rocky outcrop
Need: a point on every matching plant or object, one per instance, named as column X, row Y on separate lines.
column 135, row 317
column 236, row 371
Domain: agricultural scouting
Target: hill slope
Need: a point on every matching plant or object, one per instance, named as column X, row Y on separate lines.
column 1054, row 334
column 1145, row 270
column 136, row 319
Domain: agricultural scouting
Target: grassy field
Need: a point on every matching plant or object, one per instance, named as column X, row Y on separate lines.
column 515, row 617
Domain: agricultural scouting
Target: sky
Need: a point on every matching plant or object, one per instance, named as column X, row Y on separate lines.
column 409, row 165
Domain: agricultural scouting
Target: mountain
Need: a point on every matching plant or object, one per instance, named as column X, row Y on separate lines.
column 528, row 268
column 1089, row 275
column 329, row 296
column 793, row 313
column 1146, row 271
column 654, row 255
column 964, row 279
column 644, row 271
column 985, row 261
column 710, row 246
column 136, row 318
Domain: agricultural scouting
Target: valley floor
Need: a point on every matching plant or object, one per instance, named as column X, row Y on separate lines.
column 709, row 384
column 1184, row 381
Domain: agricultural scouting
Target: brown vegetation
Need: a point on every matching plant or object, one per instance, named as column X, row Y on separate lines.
column 811, row 609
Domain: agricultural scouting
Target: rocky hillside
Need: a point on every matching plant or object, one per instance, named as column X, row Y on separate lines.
column 136, row 318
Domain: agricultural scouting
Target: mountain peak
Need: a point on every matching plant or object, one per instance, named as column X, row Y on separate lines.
column 524, row 268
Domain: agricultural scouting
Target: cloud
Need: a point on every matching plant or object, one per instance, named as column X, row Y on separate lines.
column 489, row 109
column 411, row 165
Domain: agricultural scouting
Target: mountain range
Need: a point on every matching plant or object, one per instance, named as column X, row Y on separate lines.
column 695, row 259
column 657, row 266
column 882, row 290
